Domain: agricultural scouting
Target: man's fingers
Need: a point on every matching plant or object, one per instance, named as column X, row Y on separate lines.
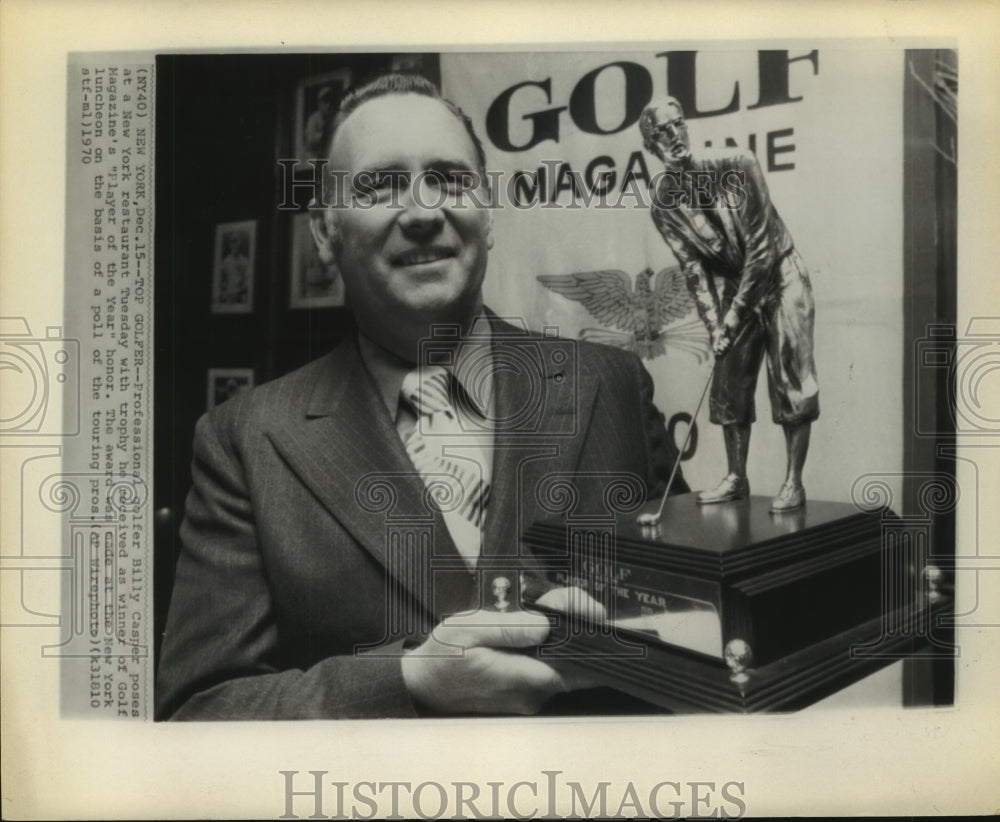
column 579, row 680
column 532, row 673
column 518, row 629
column 480, row 679
column 574, row 601
column 522, row 683
column 470, row 664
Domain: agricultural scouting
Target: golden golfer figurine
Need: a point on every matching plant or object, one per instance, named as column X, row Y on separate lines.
column 714, row 212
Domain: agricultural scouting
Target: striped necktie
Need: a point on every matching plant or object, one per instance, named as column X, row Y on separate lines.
column 450, row 463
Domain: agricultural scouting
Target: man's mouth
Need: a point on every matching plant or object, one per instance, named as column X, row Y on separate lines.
column 423, row 256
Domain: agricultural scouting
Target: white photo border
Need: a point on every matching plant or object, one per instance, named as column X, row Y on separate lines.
column 933, row 761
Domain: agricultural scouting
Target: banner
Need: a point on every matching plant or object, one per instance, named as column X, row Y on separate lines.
column 570, row 179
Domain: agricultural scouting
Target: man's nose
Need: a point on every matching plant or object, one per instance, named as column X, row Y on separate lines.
column 670, row 131
column 422, row 203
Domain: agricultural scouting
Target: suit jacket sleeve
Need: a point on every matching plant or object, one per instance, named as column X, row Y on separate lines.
column 220, row 650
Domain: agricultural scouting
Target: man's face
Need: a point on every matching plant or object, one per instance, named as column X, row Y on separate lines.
column 419, row 251
column 669, row 135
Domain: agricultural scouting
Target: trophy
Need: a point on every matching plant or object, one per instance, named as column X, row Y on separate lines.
column 725, row 601
column 731, row 608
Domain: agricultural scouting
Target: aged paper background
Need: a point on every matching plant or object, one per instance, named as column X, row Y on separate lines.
column 847, row 761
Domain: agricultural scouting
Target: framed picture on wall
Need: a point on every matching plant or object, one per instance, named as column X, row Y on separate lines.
column 415, row 63
column 314, row 284
column 233, row 267
column 316, row 101
column 226, row 383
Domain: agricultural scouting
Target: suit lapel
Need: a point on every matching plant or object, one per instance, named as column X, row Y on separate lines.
column 543, row 406
column 346, row 450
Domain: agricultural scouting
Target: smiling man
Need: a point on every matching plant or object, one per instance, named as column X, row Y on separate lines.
column 350, row 522
column 402, row 258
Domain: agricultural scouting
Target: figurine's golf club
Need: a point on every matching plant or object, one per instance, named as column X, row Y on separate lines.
column 652, row 519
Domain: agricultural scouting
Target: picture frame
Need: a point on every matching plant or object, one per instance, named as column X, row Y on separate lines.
column 226, row 383
column 316, row 101
column 408, row 63
column 233, row 267
column 313, row 283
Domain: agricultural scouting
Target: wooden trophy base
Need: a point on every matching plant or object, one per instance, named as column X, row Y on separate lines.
column 729, row 607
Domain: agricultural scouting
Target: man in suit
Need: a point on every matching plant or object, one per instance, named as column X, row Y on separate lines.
column 714, row 212
column 335, row 561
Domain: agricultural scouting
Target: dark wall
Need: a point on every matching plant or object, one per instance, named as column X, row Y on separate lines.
column 222, row 123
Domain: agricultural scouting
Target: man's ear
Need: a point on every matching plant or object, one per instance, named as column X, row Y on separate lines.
column 323, row 225
column 489, row 226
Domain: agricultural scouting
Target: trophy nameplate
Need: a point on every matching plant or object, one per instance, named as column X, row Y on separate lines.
column 716, row 602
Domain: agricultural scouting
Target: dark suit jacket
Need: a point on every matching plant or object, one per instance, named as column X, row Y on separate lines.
column 309, row 555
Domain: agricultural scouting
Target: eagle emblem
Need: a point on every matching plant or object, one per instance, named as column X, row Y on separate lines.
column 641, row 315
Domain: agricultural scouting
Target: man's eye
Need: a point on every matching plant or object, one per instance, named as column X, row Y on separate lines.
column 450, row 180
column 459, row 179
column 388, row 180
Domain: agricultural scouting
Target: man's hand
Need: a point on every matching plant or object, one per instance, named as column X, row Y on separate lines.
column 723, row 336
column 469, row 663
column 575, row 602
column 720, row 343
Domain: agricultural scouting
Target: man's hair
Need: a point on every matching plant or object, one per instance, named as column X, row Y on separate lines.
column 398, row 83
column 648, row 118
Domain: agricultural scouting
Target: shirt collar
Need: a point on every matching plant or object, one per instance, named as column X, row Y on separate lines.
column 472, row 368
